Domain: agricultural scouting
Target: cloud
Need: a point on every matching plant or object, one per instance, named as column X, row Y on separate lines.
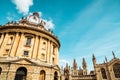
column 23, row 5
column 10, row 16
column 49, row 24
column 93, row 31
column 63, row 62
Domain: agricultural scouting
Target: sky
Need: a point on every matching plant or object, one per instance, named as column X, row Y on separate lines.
column 84, row 27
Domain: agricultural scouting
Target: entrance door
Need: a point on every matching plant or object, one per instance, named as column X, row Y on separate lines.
column 21, row 74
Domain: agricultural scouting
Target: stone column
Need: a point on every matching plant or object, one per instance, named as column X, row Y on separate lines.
column 48, row 50
column 112, row 73
column 51, row 51
column 20, row 45
column 56, row 56
column 36, row 46
column 11, row 75
column 4, row 45
column 1, row 39
column 39, row 48
column 15, row 44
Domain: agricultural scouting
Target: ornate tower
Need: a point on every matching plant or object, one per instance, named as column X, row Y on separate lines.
column 84, row 66
column 75, row 71
column 67, row 72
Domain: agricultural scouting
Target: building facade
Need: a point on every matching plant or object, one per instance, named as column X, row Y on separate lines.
column 28, row 50
column 109, row 70
column 75, row 73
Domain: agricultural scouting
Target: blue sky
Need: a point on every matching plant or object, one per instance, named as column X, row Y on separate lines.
column 83, row 27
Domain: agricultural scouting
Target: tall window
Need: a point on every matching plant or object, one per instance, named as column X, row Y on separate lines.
column 0, row 70
column 42, row 75
column 103, row 73
column 53, row 60
column 116, row 69
column 54, row 50
column 55, row 75
column 28, row 42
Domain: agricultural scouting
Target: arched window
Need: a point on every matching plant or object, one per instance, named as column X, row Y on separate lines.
column 116, row 69
column 55, row 75
column 28, row 42
column 21, row 74
column 0, row 70
column 42, row 75
column 103, row 73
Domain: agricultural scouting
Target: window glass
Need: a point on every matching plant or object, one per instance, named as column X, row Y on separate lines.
column 103, row 73
column 25, row 52
column 28, row 42
column 116, row 69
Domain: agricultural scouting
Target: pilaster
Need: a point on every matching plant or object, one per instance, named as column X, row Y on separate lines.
column 15, row 44
column 36, row 46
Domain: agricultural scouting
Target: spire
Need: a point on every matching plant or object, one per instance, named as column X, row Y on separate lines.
column 75, row 65
column 84, row 65
column 67, row 66
column 113, row 55
column 105, row 58
column 93, row 57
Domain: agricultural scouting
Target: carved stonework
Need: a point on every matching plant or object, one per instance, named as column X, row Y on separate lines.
column 20, row 50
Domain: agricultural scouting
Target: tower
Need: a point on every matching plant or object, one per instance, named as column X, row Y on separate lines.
column 75, row 71
column 67, row 72
column 94, row 60
column 84, row 66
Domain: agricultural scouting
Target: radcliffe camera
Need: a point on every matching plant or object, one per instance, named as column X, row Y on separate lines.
column 59, row 40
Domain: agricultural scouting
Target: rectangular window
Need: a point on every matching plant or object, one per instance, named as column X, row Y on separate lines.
column 53, row 60
column 54, row 50
column 26, row 53
column 28, row 41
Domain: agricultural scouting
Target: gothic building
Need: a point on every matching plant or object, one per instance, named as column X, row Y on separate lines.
column 75, row 73
column 28, row 51
column 109, row 70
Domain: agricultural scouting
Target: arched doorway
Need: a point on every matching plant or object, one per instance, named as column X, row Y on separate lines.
column 55, row 75
column 21, row 73
column 116, row 69
column 42, row 75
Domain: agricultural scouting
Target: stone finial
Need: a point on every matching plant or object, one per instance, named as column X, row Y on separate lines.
column 105, row 58
column 75, row 64
column 113, row 55
column 93, row 57
column 84, row 65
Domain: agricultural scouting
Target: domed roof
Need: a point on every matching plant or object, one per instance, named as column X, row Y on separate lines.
column 36, row 14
